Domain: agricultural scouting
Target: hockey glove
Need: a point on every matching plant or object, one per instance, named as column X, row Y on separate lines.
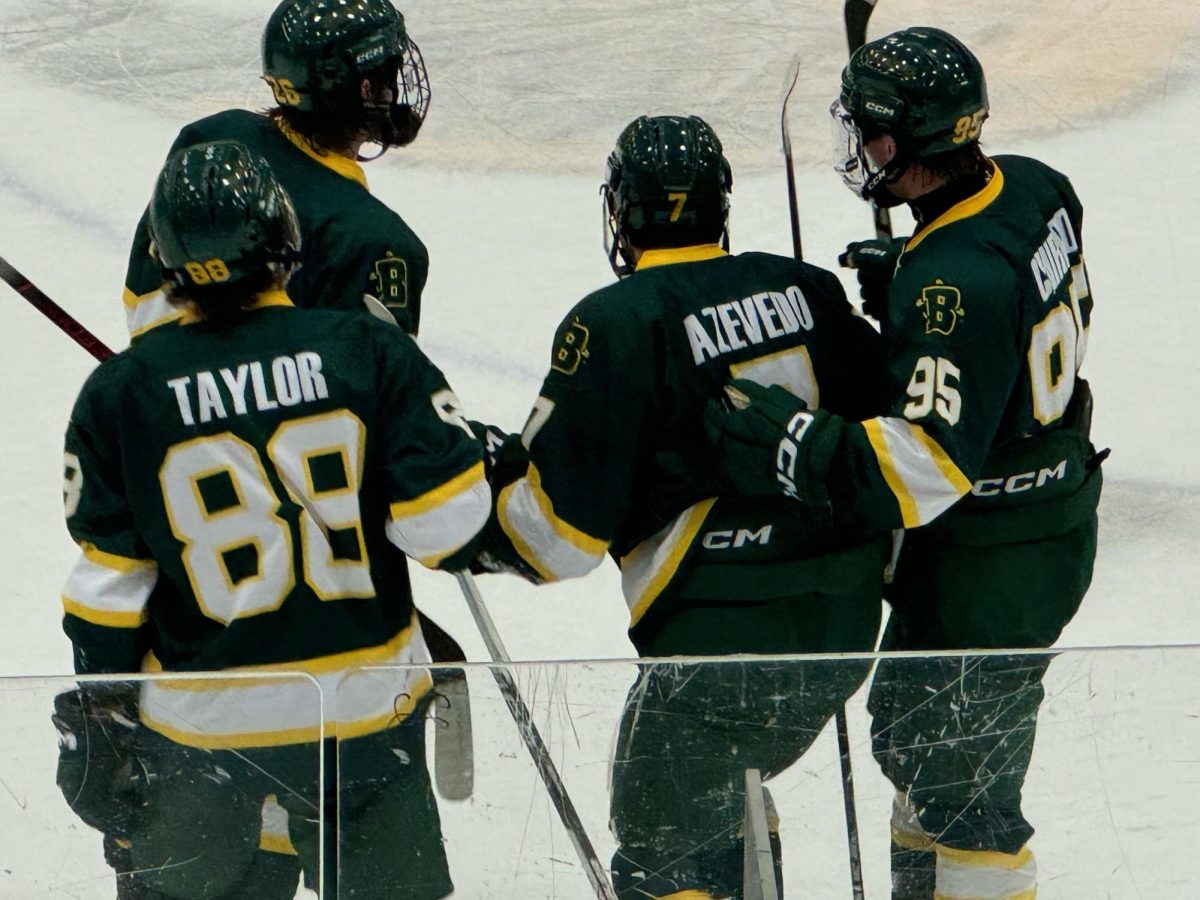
column 768, row 442
column 99, row 772
column 875, row 263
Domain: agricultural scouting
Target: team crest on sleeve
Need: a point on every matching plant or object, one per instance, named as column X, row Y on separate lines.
column 572, row 348
column 941, row 305
column 391, row 280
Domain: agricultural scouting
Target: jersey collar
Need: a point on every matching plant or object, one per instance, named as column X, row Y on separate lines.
column 666, row 256
column 274, row 297
column 343, row 165
column 963, row 209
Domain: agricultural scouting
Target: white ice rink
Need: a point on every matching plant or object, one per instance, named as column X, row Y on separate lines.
column 528, row 97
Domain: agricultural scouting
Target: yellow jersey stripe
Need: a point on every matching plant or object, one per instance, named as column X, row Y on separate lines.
column 963, row 209
column 523, row 549
column 942, row 460
column 908, row 504
column 130, row 299
column 464, row 481
column 565, row 530
column 681, row 537
column 321, row 665
column 105, row 617
column 122, row 564
column 342, row 165
column 666, row 256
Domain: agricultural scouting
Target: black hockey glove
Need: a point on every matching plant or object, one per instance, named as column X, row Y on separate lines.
column 875, row 263
column 505, row 458
column 768, row 441
column 99, row 771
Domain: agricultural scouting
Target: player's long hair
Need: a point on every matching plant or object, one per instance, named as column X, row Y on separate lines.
column 221, row 305
column 323, row 132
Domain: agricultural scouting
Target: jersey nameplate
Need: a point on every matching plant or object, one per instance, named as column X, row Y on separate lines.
column 1051, row 262
column 756, row 319
column 251, row 387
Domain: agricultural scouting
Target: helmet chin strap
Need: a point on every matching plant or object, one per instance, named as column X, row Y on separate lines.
column 876, row 187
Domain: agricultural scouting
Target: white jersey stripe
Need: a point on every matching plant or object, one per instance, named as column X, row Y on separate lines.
column 985, row 875
column 440, row 522
column 649, row 567
column 555, row 548
column 924, row 479
column 109, row 590
column 292, row 702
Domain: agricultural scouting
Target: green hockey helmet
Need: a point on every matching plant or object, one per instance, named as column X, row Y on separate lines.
column 219, row 216
column 923, row 87
column 348, row 61
column 667, row 185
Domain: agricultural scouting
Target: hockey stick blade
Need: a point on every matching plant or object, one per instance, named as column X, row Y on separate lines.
column 793, row 75
column 533, row 741
column 52, row 311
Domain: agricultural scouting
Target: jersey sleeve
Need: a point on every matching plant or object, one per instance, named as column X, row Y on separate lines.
column 438, row 497
column 953, row 357
column 583, row 437
column 106, row 594
column 382, row 265
column 849, row 359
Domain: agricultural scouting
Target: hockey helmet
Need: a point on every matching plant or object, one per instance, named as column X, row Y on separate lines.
column 667, row 185
column 218, row 215
column 923, row 87
column 350, row 61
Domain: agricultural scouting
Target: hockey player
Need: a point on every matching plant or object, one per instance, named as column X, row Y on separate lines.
column 983, row 453
column 244, row 487
column 618, row 466
column 344, row 74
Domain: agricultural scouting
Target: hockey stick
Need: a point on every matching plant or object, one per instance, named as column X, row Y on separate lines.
column 793, row 203
column 533, row 741
column 55, row 313
column 794, row 209
column 856, row 14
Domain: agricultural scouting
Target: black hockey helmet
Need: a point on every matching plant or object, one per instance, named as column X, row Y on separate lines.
column 667, row 185
column 219, row 216
column 923, row 87
column 348, row 61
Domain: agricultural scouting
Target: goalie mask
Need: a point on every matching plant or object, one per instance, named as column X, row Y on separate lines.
column 667, row 185
column 921, row 86
column 350, row 62
column 219, row 216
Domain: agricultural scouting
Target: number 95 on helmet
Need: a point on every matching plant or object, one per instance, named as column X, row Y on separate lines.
column 667, row 185
column 921, row 86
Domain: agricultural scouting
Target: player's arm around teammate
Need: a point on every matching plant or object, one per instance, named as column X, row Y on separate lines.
column 984, row 452
column 618, row 466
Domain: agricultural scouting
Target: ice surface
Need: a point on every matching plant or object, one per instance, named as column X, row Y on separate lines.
column 528, row 98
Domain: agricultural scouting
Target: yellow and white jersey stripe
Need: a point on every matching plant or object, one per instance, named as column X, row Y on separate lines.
column 262, row 706
column 147, row 311
column 110, row 590
column 985, row 874
column 554, row 547
column 441, row 521
column 649, row 567
column 921, row 475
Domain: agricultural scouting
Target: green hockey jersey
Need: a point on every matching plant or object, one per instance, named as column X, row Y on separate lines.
column 245, row 500
column 356, row 251
column 619, row 462
column 988, row 317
